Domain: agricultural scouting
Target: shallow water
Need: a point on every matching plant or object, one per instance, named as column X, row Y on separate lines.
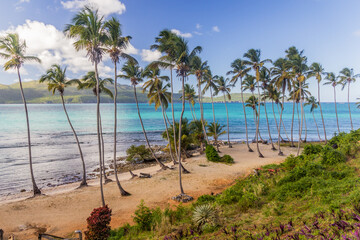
column 55, row 154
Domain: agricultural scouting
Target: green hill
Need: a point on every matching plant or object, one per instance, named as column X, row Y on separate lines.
column 235, row 97
column 36, row 92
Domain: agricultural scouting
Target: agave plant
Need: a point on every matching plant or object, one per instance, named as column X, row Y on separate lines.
column 205, row 214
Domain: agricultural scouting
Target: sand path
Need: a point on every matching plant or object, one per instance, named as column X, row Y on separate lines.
column 64, row 209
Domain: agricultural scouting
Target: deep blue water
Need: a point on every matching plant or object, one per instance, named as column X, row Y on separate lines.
column 55, row 153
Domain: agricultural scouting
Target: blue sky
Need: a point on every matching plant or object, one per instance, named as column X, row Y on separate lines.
column 328, row 31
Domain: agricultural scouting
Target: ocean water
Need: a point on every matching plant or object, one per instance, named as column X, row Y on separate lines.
column 55, row 154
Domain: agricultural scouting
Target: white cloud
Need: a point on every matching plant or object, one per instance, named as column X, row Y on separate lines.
column 215, row 29
column 150, row 56
column 179, row 33
column 198, row 26
column 24, row 1
column 106, row 7
column 131, row 50
column 197, row 33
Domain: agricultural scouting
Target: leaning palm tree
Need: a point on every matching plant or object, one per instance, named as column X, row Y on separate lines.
column 13, row 50
column 89, row 82
column 253, row 60
column 224, row 86
column 215, row 130
column 116, row 45
column 313, row 103
column 133, row 72
column 347, row 76
column 282, row 78
column 199, row 69
column 239, row 70
column 316, row 70
column 190, row 96
column 332, row 80
column 89, row 32
column 56, row 80
column 210, row 85
column 358, row 103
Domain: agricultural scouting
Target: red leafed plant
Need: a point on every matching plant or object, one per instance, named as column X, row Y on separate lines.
column 98, row 224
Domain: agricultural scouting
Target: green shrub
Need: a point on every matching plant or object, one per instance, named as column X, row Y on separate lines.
column 143, row 217
column 211, row 154
column 330, row 156
column 137, row 152
column 205, row 199
column 312, row 149
column 226, row 159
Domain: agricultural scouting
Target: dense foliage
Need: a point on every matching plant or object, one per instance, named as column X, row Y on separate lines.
column 98, row 227
column 135, row 153
column 213, row 156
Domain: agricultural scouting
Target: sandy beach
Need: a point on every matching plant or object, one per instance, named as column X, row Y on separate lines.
column 64, row 209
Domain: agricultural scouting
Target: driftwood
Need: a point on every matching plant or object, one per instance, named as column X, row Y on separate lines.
column 145, row 175
column 132, row 174
column 51, row 237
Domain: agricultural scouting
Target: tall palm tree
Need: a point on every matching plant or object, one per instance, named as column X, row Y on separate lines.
column 254, row 60
column 159, row 95
column 239, row 70
column 215, row 130
column 210, row 85
column 56, row 80
column 316, row 70
column 13, row 49
column 133, row 72
column 183, row 66
column 224, row 86
column 116, row 45
column 282, row 78
column 199, row 69
column 332, row 80
column 89, row 82
column 190, row 96
column 313, row 103
column 347, row 76
column 265, row 83
column 89, row 32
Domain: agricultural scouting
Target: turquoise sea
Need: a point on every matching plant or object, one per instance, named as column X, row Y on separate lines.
column 55, row 154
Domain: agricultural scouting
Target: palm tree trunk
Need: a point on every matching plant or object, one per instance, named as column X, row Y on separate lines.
column 305, row 126
column 302, row 114
column 258, row 119
column 213, row 109
column 122, row 191
column 202, row 111
column 267, row 122
column 273, row 110
column 317, row 128
column 337, row 119
column 167, row 131
column 83, row 182
column 98, row 131
column 192, row 112
column 172, row 108
column 348, row 98
column 297, row 109
column 227, row 117
column 322, row 117
column 36, row 190
column 292, row 125
column 107, row 180
column 283, row 125
column 282, row 108
column 145, row 135
column 246, row 128
column 180, row 123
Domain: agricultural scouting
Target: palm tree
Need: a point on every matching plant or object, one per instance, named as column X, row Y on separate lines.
column 253, row 60
column 265, row 83
column 347, row 76
column 224, row 86
column 358, row 103
column 116, row 45
column 134, row 73
column 190, row 96
column 13, row 50
column 282, row 79
column 332, row 80
column 199, row 69
column 239, row 70
column 89, row 82
column 313, row 103
column 159, row 95
column 316, row 70
column 215, row 130
column 56, row 79
column 183, row 66
column 89, row 31
column 210, row 85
